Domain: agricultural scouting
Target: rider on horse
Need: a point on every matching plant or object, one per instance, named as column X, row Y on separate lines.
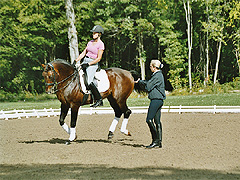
column 92, row 54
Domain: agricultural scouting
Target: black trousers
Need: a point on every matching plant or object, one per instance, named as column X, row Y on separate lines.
column 154, row 113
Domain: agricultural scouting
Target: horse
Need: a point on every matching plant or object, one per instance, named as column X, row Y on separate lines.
column 62, row 78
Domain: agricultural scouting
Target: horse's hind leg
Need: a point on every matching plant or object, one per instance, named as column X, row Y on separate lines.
column 125, row 122
column 127, row 113
column 63, row 114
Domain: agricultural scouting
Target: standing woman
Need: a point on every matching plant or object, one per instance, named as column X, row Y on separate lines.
column 92, row 54
column 156, row 89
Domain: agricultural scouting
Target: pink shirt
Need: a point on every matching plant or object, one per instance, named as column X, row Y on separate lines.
column 92, row 50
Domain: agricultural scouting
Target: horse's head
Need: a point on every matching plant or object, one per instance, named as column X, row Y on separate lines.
column 49, row 74
column 56, row 72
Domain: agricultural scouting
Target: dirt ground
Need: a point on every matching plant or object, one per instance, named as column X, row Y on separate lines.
column 195, row 146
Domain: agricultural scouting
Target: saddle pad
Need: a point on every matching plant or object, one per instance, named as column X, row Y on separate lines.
column 101, row 78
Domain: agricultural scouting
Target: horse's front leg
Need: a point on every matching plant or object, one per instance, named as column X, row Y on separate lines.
column 74, row 114
column 63, row 114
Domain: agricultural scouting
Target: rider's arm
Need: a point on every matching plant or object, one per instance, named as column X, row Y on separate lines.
column 99, row 57
column 82, row 55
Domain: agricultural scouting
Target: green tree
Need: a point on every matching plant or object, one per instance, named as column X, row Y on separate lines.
column 31, row 33
column 170, row 48
column 216, row 27
column 234, row 23
column 136, row 31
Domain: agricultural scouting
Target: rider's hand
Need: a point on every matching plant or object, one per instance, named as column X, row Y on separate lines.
column 84, row 66
column 137, row 80
column 74, row 62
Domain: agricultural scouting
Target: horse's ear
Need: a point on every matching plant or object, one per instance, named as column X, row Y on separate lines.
column 43, row 65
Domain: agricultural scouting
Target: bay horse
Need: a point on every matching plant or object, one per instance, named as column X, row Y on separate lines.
column 62, row 78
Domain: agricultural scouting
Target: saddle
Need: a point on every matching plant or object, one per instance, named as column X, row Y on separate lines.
column 100, row 80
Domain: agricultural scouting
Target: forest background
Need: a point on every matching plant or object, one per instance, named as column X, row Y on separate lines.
column 198, row 41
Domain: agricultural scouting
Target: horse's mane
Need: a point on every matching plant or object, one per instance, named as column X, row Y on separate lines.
column 61, row 61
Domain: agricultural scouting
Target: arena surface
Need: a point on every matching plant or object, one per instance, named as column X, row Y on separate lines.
column 195, row 146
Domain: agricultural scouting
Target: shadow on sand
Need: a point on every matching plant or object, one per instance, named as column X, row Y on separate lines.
column 63, row 141
column 79, row 171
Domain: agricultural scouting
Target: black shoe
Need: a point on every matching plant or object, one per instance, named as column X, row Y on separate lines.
column 110, row 135
column 154, row 144
column 160, row 145
column 97, row 103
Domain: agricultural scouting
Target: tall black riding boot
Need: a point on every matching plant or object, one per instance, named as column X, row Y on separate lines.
column 159, row 134
column 97, row 95
column 155, row 137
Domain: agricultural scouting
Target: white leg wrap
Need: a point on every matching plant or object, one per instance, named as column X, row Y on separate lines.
column 124, row 126
column 66, row 128
column 72, row 134
column 114, row 124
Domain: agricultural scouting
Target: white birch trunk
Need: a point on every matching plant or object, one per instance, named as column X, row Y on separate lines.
column 207, row 52
column 238, row 59
column 207, row 63
column 141, row 59
column 217, row 63
column 72, row 32
column 188, row 12
column 237, row 54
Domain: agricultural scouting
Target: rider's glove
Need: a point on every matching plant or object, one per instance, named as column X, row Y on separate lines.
column 74, row 62
column 84, row 66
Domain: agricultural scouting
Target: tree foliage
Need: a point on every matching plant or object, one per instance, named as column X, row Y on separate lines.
column 36, row 31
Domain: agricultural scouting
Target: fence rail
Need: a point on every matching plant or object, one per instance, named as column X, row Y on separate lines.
column 13, row 114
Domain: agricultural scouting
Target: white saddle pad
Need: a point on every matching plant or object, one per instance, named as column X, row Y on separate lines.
column 101, row 78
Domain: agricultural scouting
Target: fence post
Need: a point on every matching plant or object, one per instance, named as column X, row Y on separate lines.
column 24, row 113
column 48, row 114
column 91, row 110
column 79, row 111
column 51, row 109
column 16, row 112
column 214, row 107
column 35, row 111
column 4, row 115
column 180, row 108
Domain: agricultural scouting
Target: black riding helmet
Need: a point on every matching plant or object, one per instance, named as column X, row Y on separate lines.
column 97, row 29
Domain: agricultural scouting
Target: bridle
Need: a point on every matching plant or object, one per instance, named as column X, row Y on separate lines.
column 54, row 84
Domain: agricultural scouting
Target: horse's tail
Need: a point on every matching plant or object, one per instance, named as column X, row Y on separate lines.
column 137, row 87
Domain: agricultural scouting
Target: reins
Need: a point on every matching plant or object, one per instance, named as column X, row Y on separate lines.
column 55, row 84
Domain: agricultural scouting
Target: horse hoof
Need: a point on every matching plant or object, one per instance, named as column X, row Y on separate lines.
column 72, row 140
column 110, row 135
column 75, row 139
column 69, row 141
column 127, row 134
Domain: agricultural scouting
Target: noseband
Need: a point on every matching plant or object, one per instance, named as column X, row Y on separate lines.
column 54, row 84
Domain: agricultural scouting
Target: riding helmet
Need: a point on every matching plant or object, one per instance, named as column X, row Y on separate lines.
column 97, row 29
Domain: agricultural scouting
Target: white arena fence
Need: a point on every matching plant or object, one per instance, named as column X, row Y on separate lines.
column 5, row 115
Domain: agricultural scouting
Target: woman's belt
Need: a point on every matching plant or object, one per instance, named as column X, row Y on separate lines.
column 88, row 57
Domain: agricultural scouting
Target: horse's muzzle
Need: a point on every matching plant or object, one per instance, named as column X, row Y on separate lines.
column 50, row 90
